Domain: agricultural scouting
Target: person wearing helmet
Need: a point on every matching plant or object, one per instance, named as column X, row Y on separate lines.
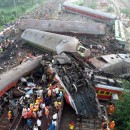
column 9, row 115
column 112, row 125
column 34, row 114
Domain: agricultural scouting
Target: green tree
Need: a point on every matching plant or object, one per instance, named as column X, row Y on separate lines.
column 23, row 9
column 110, row 9
column 122, row 113
column 126, row 12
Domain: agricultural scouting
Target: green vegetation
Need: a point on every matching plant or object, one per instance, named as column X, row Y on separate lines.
column 93, row 4
column 80, row 2
column 126, row 12
column 110, row 9
column 122, row 113
column 10, row 10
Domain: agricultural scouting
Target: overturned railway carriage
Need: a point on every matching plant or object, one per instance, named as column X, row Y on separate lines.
column 88, row 12
column 63, row 26
column 54, row 42
column 10, row 78
column 114, row 63
column 78, row 92
column 120, row 38
column 107, row 88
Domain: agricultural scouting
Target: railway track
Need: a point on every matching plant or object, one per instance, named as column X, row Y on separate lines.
column 87, row 123
column 6, row 125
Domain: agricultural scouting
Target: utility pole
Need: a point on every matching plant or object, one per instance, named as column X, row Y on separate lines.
column 15, row 8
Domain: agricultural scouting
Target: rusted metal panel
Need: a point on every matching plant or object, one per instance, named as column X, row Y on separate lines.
column 79, row 27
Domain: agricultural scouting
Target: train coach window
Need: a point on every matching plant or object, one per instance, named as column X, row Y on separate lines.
column 102, row 92
column 98, row 91
column 81, row 49
column 107, row 93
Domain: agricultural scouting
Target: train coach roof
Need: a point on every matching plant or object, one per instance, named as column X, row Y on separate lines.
column 16, row 73
column 50, row 41
column 93, row 11
column 63, row 26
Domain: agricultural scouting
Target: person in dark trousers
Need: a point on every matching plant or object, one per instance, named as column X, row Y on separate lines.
column 29, row 123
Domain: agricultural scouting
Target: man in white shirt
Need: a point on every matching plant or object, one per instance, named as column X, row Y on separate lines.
column 39, row 124
column 39, row 113
column 54, row 117
column 42, row 106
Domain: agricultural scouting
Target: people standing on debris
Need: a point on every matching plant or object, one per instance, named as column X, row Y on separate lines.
column 112, row 125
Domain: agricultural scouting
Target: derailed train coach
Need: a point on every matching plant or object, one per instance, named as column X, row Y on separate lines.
column 55, row 43
column 10, row 78
column 88, row 12
column 77, row 27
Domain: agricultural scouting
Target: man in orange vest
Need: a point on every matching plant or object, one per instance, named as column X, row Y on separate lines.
column 47, row 111
column 111, row 109
column 112, row 125
column 34, row 114
column 29, row 113
column 71, row 125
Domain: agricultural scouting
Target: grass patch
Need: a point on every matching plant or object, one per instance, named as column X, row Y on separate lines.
column 10, row 14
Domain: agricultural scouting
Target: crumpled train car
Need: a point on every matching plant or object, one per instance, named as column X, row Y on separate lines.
column 78, row 27
column 10, row 78
column 55, row 43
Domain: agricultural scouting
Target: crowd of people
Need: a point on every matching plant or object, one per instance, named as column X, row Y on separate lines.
column 39, row 102
column 108, row 124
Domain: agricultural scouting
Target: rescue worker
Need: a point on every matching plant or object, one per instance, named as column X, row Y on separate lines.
column 29, row 123
column 56, row 104
column 31, row 107
column 104, row 125
column 9, row 115
column 39, row 114
column 40, row 100
column 49, row 93
column 111, row 109
column 112, row 125
column 34, row 114
column 59, row 105
column 36, row 106
column 29, row 113
column 47, row 111
column 71, row 125
column 39, row 124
